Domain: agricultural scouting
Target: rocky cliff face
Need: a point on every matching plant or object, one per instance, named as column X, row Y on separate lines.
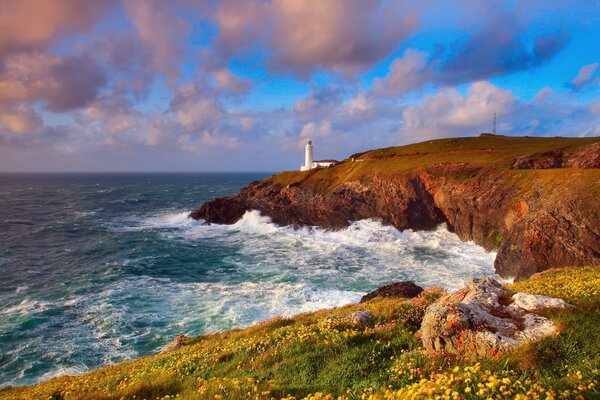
column 536, row 218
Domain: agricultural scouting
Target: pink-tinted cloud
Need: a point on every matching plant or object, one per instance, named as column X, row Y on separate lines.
column 195, row 107
column 34, row 24
column 344, row 36
column 20, row 119
column 161, row 31
column 62, row 83
column 229, row 84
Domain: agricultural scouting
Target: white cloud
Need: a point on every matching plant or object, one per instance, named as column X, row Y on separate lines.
column 585, row 76
column 406, row 74
column 449, row 113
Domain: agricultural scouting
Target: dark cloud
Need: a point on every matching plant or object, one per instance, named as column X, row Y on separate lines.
column 62, row 83
column 495, row 45
column 497, row 49
column 76, row 83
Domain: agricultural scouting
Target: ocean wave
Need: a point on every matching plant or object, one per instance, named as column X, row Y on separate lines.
column 256, row 270
column 379, row 252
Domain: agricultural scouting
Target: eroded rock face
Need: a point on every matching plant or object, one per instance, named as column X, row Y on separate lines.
column 532, row 228
column 485, row 320
column 406, row 289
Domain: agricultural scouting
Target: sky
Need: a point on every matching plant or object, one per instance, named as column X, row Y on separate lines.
column 232, row 85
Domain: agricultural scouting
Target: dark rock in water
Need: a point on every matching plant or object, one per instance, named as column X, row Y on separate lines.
column 176, row 343
column 485, row 320
column 406, row 289
column 361, row 318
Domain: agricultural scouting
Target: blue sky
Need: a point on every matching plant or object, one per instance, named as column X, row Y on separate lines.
column 147, row 85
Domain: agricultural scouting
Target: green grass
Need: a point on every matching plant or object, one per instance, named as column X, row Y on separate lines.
column 491, row 155
column 314, row 356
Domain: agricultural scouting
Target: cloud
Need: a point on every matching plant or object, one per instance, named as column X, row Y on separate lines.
column 34, row 24
column 406, row 74
column 344, row 36
column 497, row 48
column 320, row 103
column 229, row 84
column 494, row 46
column 20, row 119
column 585, row 76
column 161, row 31
column 110, row 115
column 195, row 107
column 62, row 83
column 449, row 113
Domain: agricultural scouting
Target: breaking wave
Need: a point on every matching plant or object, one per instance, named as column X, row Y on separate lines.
column 106, row 279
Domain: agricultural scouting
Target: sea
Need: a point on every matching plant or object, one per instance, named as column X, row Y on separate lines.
column 96, row 269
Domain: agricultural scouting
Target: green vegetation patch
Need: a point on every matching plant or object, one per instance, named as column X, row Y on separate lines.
column 324, row 355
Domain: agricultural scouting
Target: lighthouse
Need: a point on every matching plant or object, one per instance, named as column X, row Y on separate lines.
column 308, row 156
column 309, row 163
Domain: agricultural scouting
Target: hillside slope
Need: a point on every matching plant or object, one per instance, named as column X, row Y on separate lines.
column 534, row 200
column 323, row 355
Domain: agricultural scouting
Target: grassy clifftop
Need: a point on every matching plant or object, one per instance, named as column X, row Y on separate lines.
column 323, row 355
column 496, row 153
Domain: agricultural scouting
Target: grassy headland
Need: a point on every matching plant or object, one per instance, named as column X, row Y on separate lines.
column 532, row 199
column 497, row 153
column 314, row 356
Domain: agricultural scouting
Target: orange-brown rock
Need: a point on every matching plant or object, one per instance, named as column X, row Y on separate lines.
column 535, row 218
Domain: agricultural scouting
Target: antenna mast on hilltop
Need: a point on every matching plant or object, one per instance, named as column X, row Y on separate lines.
column 494, row 131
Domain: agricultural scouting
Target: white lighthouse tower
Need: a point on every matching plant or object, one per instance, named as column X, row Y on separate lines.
column 308, row 157
column 309, row 163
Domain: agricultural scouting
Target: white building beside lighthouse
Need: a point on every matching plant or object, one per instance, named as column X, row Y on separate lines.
column 309, row 163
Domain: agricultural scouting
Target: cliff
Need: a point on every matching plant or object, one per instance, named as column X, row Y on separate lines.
column 534, row 200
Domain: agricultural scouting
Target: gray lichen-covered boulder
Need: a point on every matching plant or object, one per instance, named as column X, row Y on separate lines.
column 485, row 320
column 361, row 318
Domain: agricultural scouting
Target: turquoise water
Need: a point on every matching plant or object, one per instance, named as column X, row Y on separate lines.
column 97, row 269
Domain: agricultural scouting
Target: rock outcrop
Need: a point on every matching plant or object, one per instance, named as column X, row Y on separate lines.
column 176, row 343
column 361, row 318
column 534, row 218
column 406, row 289
column 485, row 320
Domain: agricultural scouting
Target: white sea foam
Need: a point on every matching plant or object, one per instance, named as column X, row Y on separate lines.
column 267, row 271
column 366, row 250
column 20, row 289
column 26, row 307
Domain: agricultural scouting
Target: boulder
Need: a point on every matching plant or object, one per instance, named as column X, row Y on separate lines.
column 176, row 343
column 485, row 320
column 406, row 289
column 361, row 318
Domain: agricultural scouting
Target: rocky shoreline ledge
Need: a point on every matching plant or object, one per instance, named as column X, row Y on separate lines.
column 533, row 200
